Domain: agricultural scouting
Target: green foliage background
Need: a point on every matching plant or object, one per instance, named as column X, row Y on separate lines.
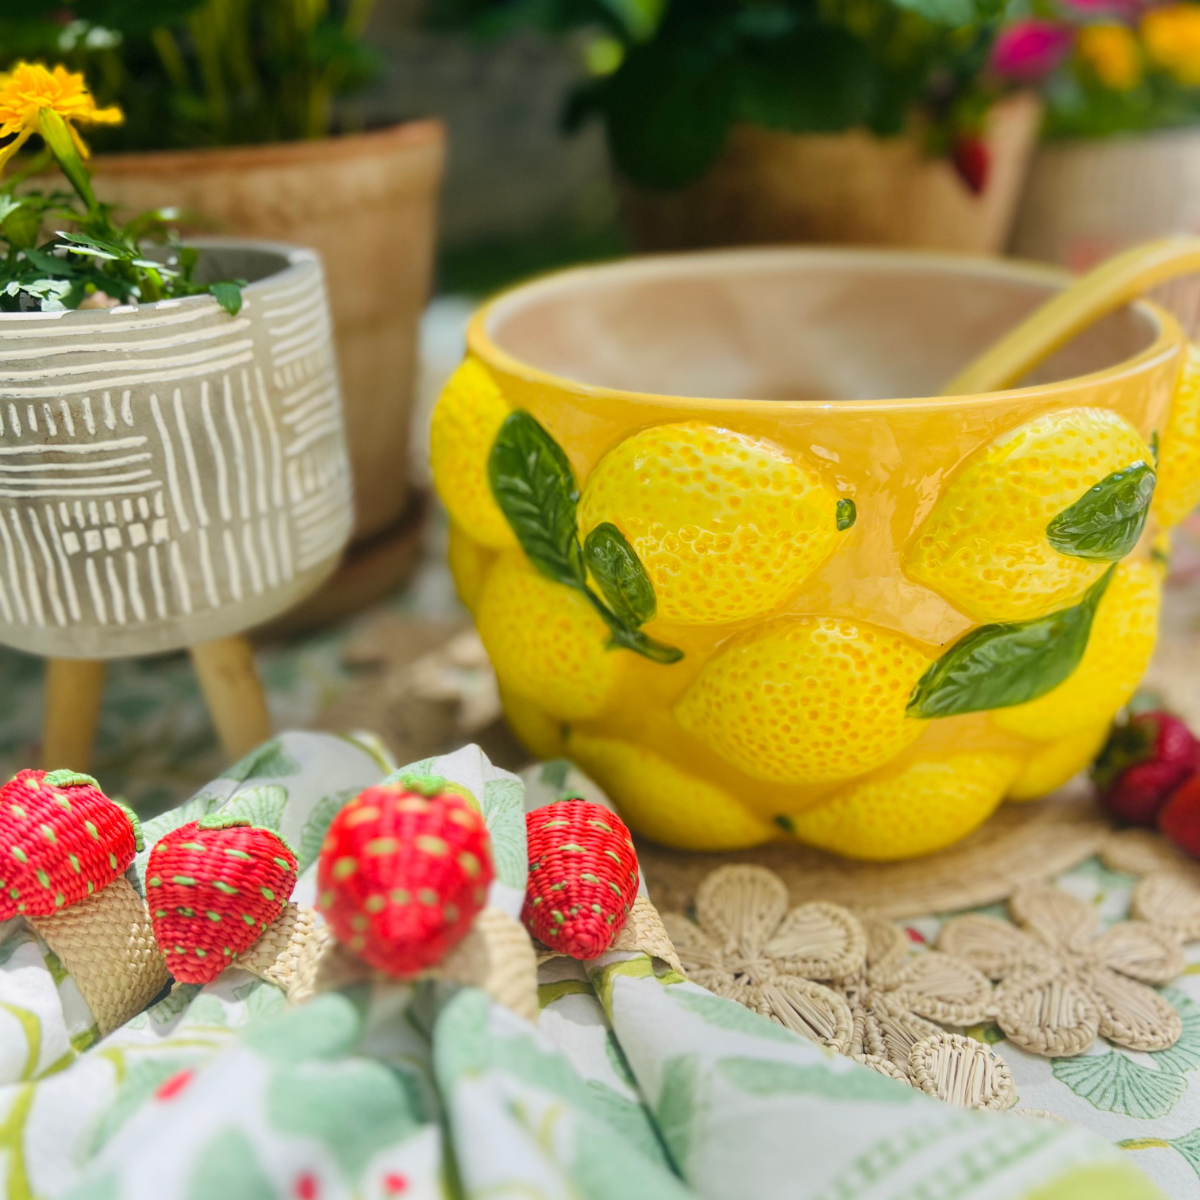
column 192, row 73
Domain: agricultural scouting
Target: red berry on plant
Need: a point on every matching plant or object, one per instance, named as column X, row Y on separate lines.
column 972, row 160
column 1179, row 819
column 583, row 877
column 213, row 886
column 1145, row 759
column 404, row 870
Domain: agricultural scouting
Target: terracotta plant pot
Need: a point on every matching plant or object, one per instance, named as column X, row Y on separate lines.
column 730, row 550
column 772, row 187
column 366, row 203
column 169, row 474
column 1087, row 199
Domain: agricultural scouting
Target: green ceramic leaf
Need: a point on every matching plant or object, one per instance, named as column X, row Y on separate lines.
column 1104, row 524
column 996, row 666
column 532, row 482
column 535, row 488
column 847, row 514
column 762, row 1077
column 620, row 575
column 261, row 805
column 1113, row 1083
column 639, row 643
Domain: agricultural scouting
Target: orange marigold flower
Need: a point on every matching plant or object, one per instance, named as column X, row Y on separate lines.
column 1112, row 53
column 1171, row 36
column 29, row 88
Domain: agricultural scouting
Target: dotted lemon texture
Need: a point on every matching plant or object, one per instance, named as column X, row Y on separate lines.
column 984, row 545
column 545, row 640
column 726, row 525
column 1178, row 490
column 662, row 802
column 465, row 423
column 469, row 563
column 806, row 699
column 1054, row 764
column 1118, row 652
column 920, row 808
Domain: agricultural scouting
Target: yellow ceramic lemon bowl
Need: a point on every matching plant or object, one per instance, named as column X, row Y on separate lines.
column 717, row 564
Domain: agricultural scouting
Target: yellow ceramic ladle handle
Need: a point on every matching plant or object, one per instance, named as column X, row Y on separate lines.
column 1115, row 282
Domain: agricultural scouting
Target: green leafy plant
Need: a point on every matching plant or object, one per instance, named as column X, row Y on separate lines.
column 203, row 72
column 95, row 261
column 671, row 77
column 534, row 486
column 997, row 666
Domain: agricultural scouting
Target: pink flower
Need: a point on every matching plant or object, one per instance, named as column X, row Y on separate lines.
column 1029, row 50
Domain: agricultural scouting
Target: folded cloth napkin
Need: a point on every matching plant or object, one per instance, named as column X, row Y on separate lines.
column 633, row 1083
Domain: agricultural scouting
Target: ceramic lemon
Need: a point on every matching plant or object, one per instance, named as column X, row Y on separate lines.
column 822, row 614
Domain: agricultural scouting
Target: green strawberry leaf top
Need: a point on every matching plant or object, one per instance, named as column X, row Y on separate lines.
column 997, row 666
column 534, row 486
column 1104, row 524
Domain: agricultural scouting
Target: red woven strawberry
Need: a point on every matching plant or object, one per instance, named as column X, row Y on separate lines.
column 404, row 869
column 583, row 877
column 213, row 887
column 1144, row 762
column 63, row 840
column 64, row 850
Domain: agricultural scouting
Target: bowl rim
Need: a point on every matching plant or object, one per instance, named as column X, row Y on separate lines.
column 1168, row 337
column 296, row 258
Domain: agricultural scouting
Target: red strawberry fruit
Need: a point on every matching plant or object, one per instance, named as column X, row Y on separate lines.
column 1145, row 760
column 583, row 877
column 213, row 887
column 64, row 850
column 1179, row 818
column 404, row 869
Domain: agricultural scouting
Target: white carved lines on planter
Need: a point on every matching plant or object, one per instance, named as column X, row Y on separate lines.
column 318, row 484
column 166, row 467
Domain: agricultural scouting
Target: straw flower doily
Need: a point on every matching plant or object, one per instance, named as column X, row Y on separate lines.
column 1062, row 984
column 817, row 970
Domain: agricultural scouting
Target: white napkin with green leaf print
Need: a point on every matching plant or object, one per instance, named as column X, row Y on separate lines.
column 633, row 1084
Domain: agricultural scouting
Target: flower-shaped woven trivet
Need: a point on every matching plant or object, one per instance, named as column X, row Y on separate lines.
column 1062, row 984
column 1168, row 893
column 818, row 971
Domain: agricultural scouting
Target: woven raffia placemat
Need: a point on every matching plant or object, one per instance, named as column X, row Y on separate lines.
column 1022, row 843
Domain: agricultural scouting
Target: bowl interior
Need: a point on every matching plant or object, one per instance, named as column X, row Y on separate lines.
column 791, row 324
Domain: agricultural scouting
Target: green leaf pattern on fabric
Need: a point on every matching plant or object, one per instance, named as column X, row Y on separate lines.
column 228, row 1167
column 764, row 1077
column 504, row 814
column 262, row 805
column 269, row 761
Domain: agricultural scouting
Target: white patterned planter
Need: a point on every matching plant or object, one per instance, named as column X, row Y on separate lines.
column 170, row 474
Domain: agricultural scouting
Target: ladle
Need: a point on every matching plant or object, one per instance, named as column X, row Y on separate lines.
column 1115, row 282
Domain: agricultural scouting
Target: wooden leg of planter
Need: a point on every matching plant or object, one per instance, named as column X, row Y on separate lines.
column 74, row 687
column 233, row 692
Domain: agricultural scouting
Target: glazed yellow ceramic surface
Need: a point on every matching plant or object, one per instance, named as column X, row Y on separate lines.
column 717, row 563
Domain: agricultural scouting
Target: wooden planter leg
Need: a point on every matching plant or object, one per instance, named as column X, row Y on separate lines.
column 233, row 693
column 74, row 687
